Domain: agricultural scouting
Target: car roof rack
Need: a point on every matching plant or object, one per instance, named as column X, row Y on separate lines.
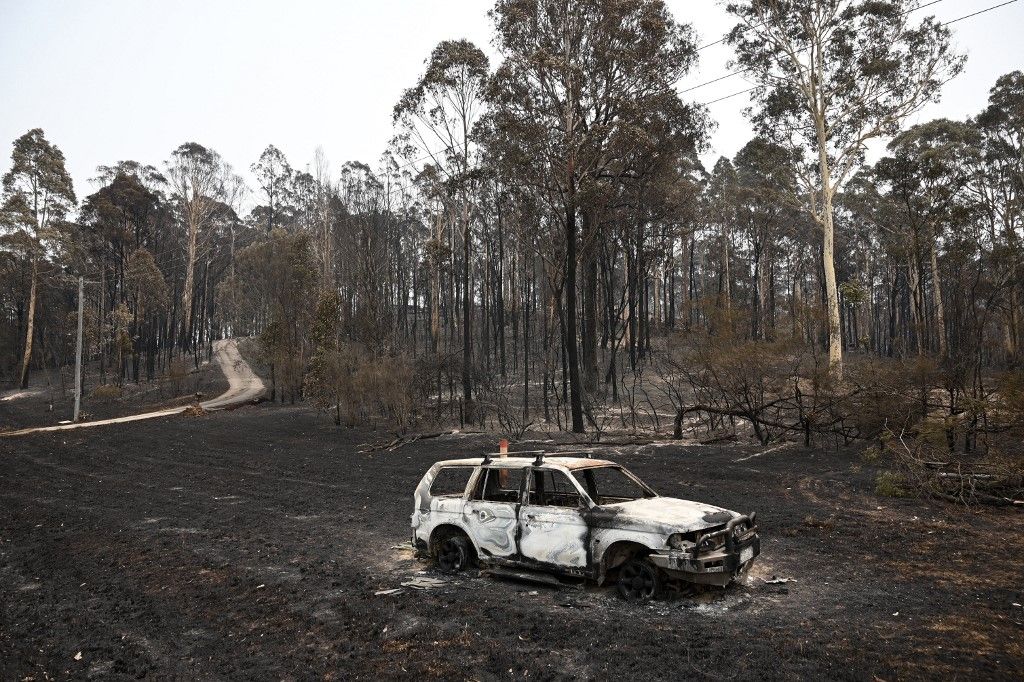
column 539, row 455
column 489, row 456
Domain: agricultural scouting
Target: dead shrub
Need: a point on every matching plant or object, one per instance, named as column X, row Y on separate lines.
column 503, row 399
column 778, row 388
column 957, row 441
column 177, row 373
column 106, row 392
column 811, row 521
column 386, row 384
column 359, row 387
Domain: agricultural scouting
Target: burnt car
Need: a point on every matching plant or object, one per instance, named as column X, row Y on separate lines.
column 575, row 516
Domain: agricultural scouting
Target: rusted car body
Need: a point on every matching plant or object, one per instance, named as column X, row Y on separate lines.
column 576, row 516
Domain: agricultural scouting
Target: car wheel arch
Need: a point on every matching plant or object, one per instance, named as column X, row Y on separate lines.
column 444, row 531
column 617, row 554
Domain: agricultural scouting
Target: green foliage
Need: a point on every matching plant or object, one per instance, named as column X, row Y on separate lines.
column 147, row 284
column 865, row 47
column 274, row 176
column 871, row 455
column 324, row 330
column 891, row 484
column 38, row 189
column 328, row 369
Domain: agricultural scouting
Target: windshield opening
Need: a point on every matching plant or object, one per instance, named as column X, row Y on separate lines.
column 610, row 484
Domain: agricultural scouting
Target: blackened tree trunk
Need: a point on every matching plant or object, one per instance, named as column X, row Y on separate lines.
column 589, row 336
column 571, row 345
column 467, row 319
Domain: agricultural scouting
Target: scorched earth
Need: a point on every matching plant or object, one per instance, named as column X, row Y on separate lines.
column 263, row 543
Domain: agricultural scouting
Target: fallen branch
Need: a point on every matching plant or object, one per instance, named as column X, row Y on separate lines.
column 401, row 441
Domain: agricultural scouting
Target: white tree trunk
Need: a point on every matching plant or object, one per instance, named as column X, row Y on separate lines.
column 190, row 276
column 29, row 331
column 835, row 338
column 826, row 220
column 940, row 312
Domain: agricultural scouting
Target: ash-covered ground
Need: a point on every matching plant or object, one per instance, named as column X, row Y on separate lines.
column 253, row 543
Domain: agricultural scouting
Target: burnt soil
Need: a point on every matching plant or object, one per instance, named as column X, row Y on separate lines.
column 250, row 544
column 47, row 405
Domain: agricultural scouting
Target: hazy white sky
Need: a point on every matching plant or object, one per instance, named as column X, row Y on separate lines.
column 133, row 79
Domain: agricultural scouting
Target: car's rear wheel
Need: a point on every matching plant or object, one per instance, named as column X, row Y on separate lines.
column 454, row 554
column 639, row 580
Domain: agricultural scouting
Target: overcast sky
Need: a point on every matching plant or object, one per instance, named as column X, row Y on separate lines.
column 133, row 79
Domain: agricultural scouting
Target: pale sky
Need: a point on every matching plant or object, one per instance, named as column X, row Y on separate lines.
column 132, row 79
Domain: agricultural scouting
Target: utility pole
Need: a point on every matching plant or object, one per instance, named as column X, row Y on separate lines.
column 78, row 351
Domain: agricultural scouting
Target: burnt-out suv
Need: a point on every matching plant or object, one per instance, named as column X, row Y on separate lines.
column 576, row 516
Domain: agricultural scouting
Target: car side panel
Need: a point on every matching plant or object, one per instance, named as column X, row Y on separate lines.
column 555, row 536
column 492, row 527
column 603, row 538
column 430, row 512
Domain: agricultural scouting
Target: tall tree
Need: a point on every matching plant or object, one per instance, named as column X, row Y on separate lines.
column 196, row 176
column 927, row 173
column 765, row 181
column 999, row 182
column 436, row 117
column 579, row 85
column 274, row 176
column 831, row 75
column 38, row 193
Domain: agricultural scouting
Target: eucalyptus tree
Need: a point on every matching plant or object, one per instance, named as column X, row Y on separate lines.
column 721, row 194
column 323, row 214
column 274, row 176
column 830, row 76
column 37, row 195
column 574, row 96
column 364, row 270
column 999, row 183
column 436, row 119
column 196, row 176
column 927, row 173
column 120, row 219
column 765, row 181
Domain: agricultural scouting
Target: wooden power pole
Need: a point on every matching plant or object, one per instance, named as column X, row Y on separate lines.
column 78, row 351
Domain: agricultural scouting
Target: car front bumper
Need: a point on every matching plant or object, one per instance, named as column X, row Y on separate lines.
column 714, row 567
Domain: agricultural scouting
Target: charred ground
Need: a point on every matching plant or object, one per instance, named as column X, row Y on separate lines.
column 46, row 404
column 251, row 544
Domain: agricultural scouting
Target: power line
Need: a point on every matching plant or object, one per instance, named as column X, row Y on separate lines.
column 727, row 76
column 738, row 73
column 735, row 94
column 726, row 36
column 974, row 14
column 714, row 80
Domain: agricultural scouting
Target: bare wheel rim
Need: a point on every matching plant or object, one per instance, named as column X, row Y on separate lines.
column 450, row 556
column 637, row 580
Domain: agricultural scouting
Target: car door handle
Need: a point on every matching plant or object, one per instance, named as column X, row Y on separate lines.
column 530, row 517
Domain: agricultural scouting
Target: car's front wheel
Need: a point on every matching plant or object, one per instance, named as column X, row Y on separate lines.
column 454, row 554
column 639, row 580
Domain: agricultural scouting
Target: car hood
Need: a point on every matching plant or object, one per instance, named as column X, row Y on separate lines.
column 664, row 514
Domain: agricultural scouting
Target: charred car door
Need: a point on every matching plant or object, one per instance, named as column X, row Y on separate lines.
column 553, row 527
column 490, row 512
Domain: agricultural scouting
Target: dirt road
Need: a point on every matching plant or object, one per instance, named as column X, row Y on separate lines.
column 244, row 387
column 251, row 545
